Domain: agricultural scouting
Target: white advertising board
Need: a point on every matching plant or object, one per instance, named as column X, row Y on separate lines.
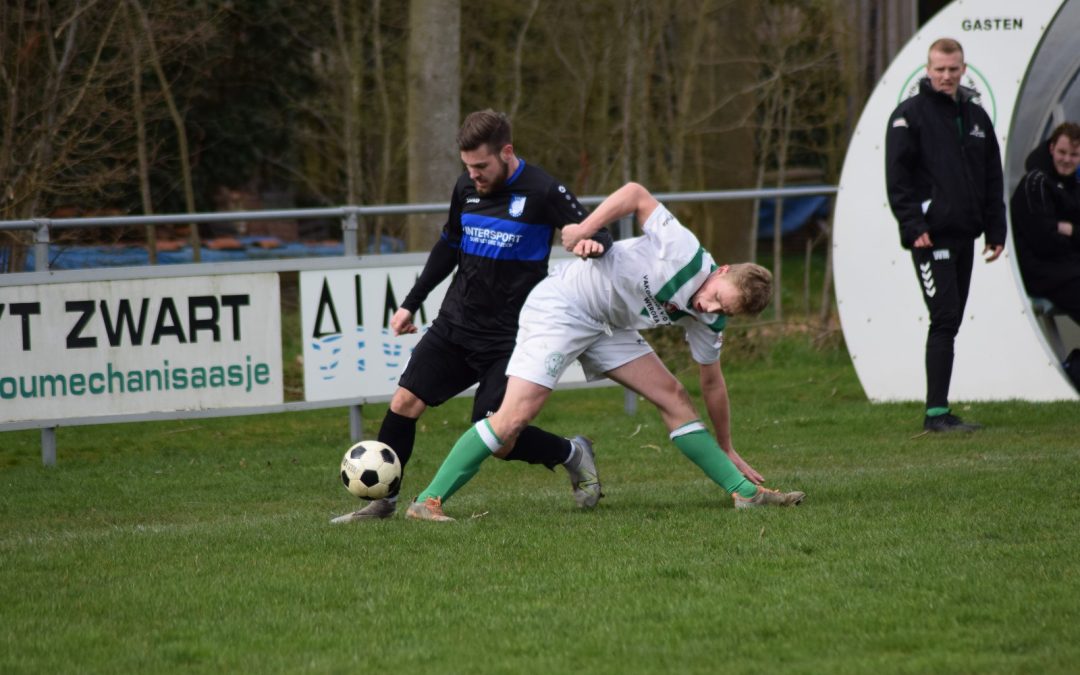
column 1000, row 353
column 137, row 346
column 349, row 351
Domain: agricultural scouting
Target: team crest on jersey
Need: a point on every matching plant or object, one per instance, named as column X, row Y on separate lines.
column 671, row 307
column 517, row 205
column 553, row 363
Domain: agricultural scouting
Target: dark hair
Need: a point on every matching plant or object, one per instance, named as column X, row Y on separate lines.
column 485, row 127
column 1070, row 130
column 946, row 46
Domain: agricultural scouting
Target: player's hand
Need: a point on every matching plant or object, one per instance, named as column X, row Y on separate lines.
column 401, row 323
column 991, row 253
column 1065, row 228
column 924, row 241
column 751, row 475
column 572, row 235
column 588, row 248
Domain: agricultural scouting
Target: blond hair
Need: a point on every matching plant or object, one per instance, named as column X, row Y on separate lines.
column 755, row 283
column 946, row 46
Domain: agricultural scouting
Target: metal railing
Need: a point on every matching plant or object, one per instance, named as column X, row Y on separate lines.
column 350, row 217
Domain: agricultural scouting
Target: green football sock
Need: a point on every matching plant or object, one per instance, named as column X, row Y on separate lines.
column 698, row 444
column 463, row 462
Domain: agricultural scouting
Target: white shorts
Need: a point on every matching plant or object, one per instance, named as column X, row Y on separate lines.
column 553, row 331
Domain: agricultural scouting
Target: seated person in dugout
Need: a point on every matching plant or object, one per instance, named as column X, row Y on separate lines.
column 1046, row 220
column 592, row 310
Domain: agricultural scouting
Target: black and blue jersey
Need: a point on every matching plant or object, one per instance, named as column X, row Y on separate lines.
column 499, row 243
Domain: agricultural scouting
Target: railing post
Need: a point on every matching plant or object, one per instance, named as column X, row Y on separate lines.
column 41, row 246
column 41, row 264
column 48, row 446
column 350, row 225
column 356, row 423
column 349, row 228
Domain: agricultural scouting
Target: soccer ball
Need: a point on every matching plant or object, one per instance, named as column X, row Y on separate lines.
column 371, row 470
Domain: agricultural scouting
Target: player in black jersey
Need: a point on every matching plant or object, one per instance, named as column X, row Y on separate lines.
column 498, row 234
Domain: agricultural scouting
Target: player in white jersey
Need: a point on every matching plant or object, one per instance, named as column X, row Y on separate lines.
column 591, row 310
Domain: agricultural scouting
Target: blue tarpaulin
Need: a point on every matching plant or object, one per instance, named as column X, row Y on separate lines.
column 797, row 212
column 83, row 257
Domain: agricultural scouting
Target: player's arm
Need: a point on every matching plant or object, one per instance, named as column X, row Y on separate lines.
column 596, row 245
column 902, row 158
column 714, row 392
column 994, row 216
column 1040, row 219
column 564, row 208
column 439, row 265
column 630, row 199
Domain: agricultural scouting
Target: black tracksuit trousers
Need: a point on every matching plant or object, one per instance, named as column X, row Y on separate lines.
column 944, row 274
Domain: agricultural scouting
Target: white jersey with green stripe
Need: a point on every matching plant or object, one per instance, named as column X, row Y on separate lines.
column 649, row 281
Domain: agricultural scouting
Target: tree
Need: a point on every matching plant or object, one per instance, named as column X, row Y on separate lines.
column 801, row 103
column 65, row 124
column 433, row 111
column 183, row 152
column 358, row 101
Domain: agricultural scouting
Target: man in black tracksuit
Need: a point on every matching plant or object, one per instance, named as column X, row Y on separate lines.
column 1046, row 220
column 943, row 174
column 498, row 234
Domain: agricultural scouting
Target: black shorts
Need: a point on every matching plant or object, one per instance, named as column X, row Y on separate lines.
column 439, row 369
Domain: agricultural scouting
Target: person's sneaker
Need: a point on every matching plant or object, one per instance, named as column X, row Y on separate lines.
column 584, row 480
column 376, row 510
column 948, row 422
column 767, row 497
column 429, row 509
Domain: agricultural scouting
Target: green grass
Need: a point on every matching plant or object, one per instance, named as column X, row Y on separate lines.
column 203, row 546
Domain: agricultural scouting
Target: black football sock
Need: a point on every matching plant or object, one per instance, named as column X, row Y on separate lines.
column 536, row 446
column 399, row 432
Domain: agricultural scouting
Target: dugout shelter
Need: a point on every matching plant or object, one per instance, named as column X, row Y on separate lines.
column 1022, row 60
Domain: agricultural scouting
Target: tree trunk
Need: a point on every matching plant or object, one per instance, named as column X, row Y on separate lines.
column 732, row 236
column 388, row 122
column 519, row 49
column 138, row 110
column 778, row 214
column 178, row 123
column 351, row 58
column 434, row 101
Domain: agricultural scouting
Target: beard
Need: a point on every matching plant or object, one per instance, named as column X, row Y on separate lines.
column 497, row 182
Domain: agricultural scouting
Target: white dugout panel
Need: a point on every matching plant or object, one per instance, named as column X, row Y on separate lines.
column 1022, row 59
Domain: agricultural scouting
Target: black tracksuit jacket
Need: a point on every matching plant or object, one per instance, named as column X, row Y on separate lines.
column 944, row 151
column 1047, row 258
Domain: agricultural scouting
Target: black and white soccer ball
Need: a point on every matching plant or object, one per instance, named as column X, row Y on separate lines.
column 371, row 470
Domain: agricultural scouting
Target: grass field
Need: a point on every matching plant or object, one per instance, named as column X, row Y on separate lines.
column 203, row 546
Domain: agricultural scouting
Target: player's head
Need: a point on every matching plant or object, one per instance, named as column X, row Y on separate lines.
column 741, row 288
column 486, row 144
column 1065, row 148
column 945, row 65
